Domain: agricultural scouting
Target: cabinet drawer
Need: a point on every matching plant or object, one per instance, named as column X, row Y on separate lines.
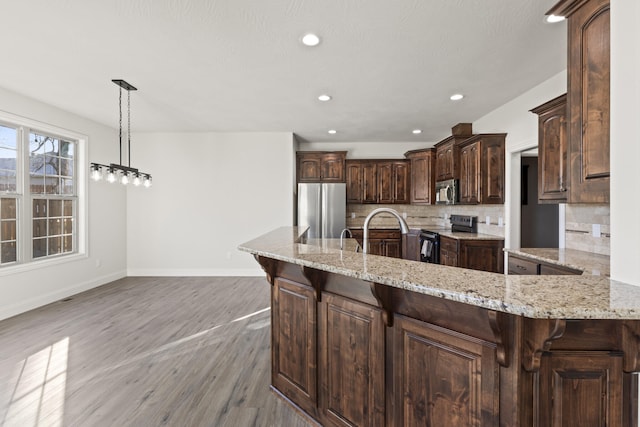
column 558, row 270
column 523, row 266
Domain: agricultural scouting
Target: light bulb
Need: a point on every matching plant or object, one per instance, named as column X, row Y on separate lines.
column 136, row 180
column 147, row 182
column 96, row 173
column 125, row 178
column 111, row 176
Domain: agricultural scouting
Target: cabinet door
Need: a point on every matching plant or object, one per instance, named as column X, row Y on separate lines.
column 293, row 342
column 483, row 255
column 332, row 167
column 369, row 183
column 423, row 178
column 491, row 174
column 355, row 189
column 448, row 251
column 385, row 182
column 309, row 167
column 445, row 162
column 393, row 248
column 352, row 337
column 469, row 171
column 581, row 389
column 443, row 378
column 400, row 182
column 552, row 151
column 588, row 83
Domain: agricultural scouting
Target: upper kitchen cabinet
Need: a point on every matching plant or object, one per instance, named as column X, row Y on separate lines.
column 378, row 181
column 552, row 150
column 393, row 182
column 482, row 175
column 362, row 183
column 588, row 69
column 447, row 152
column 423, row 176
column 321, row 166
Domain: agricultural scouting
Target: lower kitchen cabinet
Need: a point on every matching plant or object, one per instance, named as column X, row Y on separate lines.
column 443, row 378
column 580, row 388
column 524, row 266
column 351, row 341
column 348, row 352
column 381, row 242
column 293, row 342
column 476, row 254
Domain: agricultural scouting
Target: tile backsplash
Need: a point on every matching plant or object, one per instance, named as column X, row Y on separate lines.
column 430, row 216
column 579, row 228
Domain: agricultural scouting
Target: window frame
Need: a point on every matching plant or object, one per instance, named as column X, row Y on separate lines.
column 24, row 197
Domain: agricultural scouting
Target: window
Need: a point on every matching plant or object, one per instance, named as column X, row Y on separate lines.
column 38, row 194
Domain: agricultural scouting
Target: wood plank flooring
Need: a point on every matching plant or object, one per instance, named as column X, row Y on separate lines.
column 144, row 352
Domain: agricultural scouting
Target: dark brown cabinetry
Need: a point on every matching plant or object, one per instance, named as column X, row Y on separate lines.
column 482, row 176
column 393, row 182
column 581, row 389
column 349, row 352
column 352, row 388
column 378, row 181
column 448, row 152
column 458, row 377
column 293, row 346
column 321, row 166
column 552, row 151
column 475, row 254
column 524, row 266
column 381, row 242
column 588, row 83
column 423, row 176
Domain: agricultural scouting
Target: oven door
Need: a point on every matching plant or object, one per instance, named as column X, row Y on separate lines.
column 430, row 247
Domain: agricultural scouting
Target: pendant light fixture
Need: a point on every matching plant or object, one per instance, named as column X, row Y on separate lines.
column 117, row 171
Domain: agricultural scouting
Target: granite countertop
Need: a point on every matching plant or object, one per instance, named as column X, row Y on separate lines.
column 589, row 263
column 564, row 297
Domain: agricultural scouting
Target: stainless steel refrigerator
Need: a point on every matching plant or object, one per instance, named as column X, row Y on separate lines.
column 322, row 208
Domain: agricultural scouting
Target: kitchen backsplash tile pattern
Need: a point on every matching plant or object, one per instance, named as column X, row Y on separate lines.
column 430, row 216
column 579, row 228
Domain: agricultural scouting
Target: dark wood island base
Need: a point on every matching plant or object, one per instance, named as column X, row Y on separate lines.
column 350, row 352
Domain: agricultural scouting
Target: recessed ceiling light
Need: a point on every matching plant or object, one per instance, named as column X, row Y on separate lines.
column 324, row 97
column 310, row 39
column 457, row 97
column 332, row 131
column 552, row 19
column 417, row 131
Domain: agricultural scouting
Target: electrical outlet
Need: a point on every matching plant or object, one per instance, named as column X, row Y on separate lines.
column 500, row 222
column 488, row 220
column 595, row 230
column 353, row 214
column 404, row 215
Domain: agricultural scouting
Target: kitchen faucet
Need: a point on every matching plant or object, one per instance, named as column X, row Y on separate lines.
column 342, row 233
column 404, row 228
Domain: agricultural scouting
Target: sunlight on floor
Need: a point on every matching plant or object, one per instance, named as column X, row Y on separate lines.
column 39, row 388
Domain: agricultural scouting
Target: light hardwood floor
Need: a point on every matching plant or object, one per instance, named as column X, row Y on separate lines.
column 144, row 352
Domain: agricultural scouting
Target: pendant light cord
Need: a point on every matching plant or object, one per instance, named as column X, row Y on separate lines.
column 129, row 128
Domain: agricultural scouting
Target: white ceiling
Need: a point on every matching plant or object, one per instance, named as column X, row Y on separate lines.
column 238, row 65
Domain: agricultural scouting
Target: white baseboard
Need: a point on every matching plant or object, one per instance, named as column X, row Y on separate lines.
column 40, row 300
column 195, row 272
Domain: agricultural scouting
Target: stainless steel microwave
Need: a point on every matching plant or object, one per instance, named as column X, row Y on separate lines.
column 447, row 192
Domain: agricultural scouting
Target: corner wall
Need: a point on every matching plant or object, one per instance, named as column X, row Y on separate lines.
column 23, row 288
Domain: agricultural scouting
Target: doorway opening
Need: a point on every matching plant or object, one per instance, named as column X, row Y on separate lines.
column 539, row 223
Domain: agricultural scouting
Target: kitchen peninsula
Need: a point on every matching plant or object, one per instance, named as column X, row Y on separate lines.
column 370, row 341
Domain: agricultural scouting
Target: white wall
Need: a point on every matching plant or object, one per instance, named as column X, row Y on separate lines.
column 25, row 287
column 521, row 127
column 367, row 150
column 625, row 140
column 211, row 192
